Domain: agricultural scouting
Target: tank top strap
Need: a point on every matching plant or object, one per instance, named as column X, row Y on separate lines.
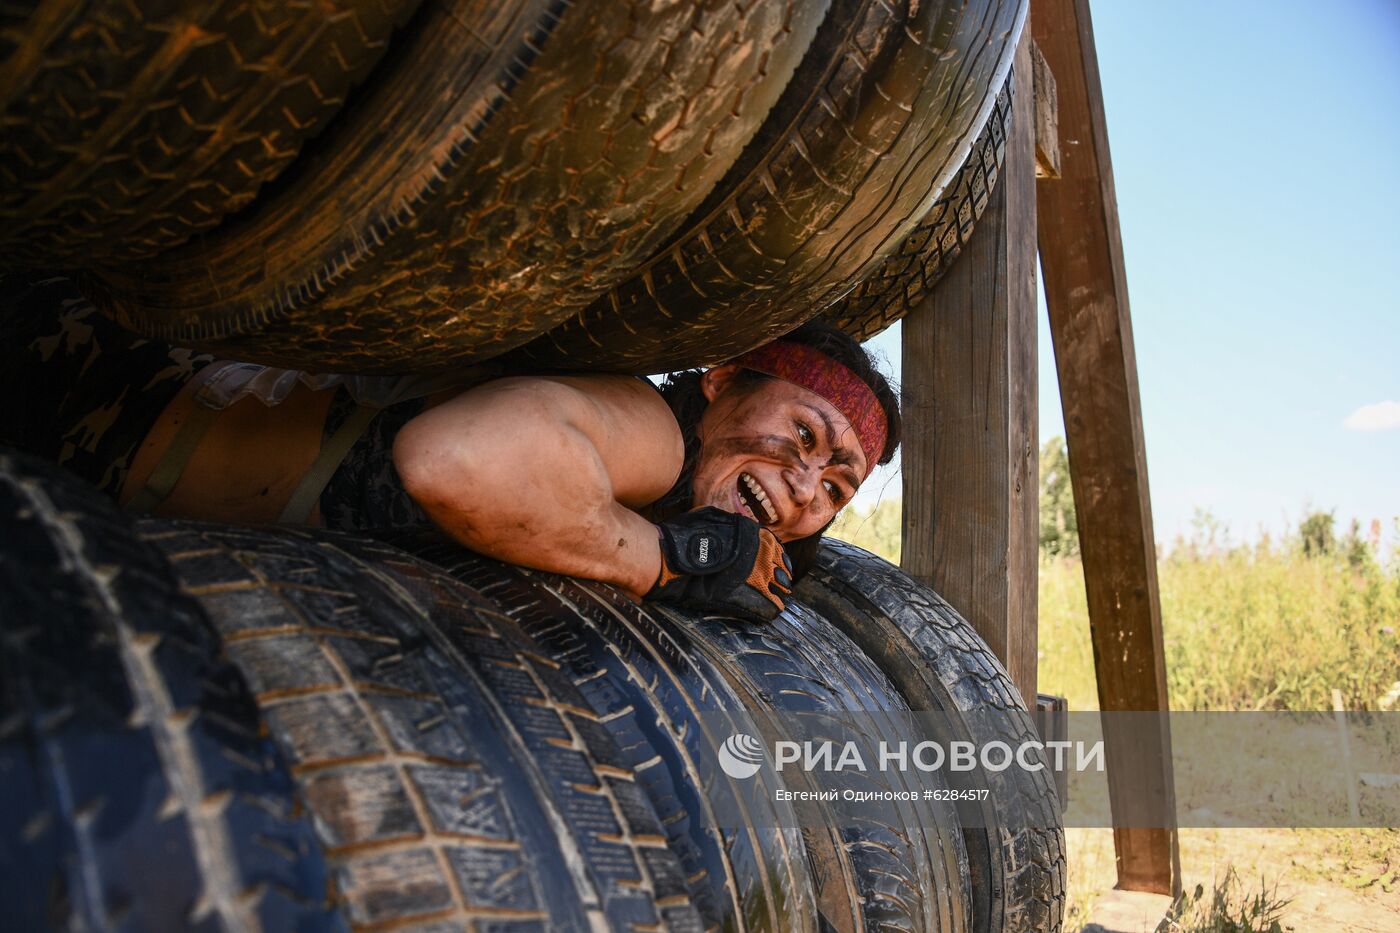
column 333, row 452
column 176, row 456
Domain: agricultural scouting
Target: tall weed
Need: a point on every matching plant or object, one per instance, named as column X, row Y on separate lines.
column 1275, row 624
column 1229, row 907
column 1263, row 626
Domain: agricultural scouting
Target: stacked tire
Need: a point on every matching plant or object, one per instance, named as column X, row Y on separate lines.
column 391, row 186
column 215, row 727
column 207, row 725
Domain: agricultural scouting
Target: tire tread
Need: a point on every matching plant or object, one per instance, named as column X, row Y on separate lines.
column 1015, row 845
column 119, row 684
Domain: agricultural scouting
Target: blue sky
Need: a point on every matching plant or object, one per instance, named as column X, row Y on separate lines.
column 1256, row 152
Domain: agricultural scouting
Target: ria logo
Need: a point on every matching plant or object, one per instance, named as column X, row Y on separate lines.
column 741, row 755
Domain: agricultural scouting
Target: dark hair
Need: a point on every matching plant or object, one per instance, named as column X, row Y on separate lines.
column 688, row 403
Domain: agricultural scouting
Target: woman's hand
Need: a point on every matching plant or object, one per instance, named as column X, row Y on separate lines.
column 722, row 562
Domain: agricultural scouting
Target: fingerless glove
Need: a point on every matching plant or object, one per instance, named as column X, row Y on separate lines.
column 723, row 562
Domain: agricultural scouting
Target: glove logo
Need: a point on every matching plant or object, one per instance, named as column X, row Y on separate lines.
column 741, row 756
column 704, row 557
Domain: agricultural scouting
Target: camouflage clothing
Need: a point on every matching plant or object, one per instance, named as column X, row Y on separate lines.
column 365, row 492
column 82, row 392
column 77, row 388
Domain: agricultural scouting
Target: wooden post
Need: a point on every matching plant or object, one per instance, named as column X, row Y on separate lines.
column 1081, row 256
column 971, row 516
column 1047, row 117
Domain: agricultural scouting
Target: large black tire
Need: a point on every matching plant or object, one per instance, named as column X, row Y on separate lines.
column 492, row 745
column 663, row 703
column 131, row 126
column 455, row 776
column 139, row 792
column 672, row 686
column 911, row 271
column 883, row 111
column 1014, row 842
column 506, row 164
column 890, row 866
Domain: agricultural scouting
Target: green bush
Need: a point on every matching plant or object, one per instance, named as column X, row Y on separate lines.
column 1059, row 528
column 1315, row 534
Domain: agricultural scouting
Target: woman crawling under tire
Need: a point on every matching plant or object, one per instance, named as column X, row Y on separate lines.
column 711, row 492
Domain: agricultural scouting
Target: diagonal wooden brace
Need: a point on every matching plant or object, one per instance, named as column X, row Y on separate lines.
column 1081, row 255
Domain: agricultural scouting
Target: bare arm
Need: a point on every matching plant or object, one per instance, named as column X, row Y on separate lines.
column 546, row 471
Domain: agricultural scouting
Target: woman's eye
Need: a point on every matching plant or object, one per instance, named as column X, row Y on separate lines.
column 834, row 492
column 805, row 435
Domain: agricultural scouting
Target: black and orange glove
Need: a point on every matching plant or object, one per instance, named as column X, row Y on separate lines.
column 718, row 561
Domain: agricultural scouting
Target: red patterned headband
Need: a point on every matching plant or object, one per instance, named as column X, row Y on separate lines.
column 815, row 371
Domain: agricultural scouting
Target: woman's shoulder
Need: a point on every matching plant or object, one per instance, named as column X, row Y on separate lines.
column 619, row 402
column 626, row 422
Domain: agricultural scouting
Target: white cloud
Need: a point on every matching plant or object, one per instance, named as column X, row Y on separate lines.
column 1382, row 416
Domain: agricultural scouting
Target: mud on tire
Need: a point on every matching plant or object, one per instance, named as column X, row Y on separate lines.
column 473, row 742
column 452, row 771
column 130, row 127
column 505, row 164
column 672, row 686
column 911, row 271
column 664, row 705
column 889, row 866
column 1014, row 842
column 880, row 115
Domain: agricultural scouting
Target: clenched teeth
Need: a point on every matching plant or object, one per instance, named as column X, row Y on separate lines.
column 761, row 496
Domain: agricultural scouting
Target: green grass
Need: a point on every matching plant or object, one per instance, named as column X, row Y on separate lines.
column 1262, row 627
column 1277, row 625
column 1273, row 625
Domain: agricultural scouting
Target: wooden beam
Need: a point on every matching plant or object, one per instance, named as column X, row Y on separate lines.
column 1047, row 117
column 1081, row 256
column 971, row 519
column 1052, row 722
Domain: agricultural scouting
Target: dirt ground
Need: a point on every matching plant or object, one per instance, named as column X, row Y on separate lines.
column 1335, row 881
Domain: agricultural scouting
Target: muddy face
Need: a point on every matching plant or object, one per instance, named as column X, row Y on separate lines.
column 778, row 453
